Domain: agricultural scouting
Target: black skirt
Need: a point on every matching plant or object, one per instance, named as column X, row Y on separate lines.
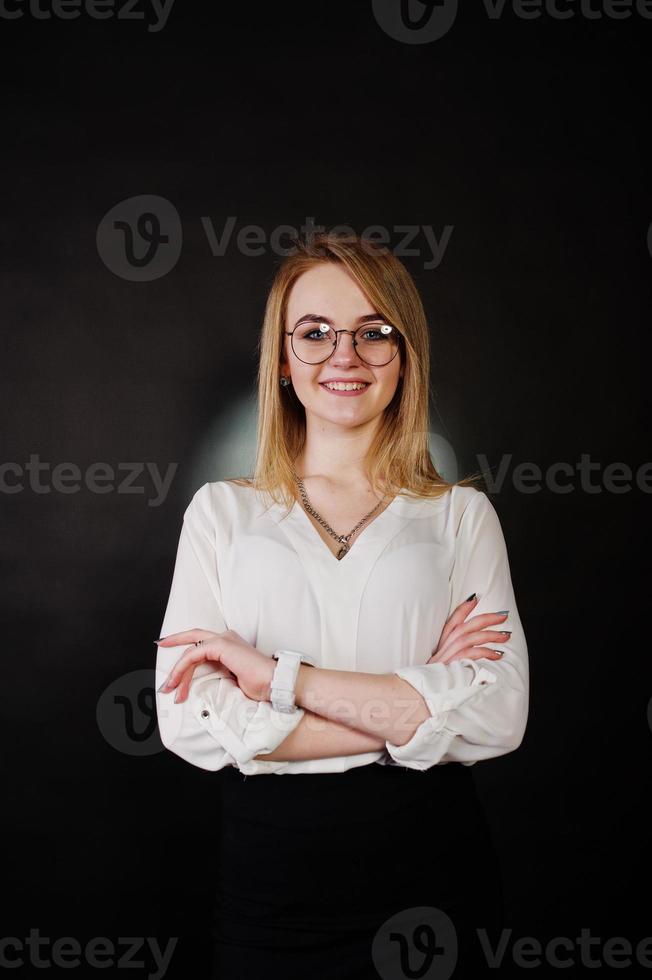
column 354, row 875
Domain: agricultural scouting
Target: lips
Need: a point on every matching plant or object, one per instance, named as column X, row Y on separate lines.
column 345, row 392
column 325, row 383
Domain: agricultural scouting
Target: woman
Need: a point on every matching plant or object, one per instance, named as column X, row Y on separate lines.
column 346, row 619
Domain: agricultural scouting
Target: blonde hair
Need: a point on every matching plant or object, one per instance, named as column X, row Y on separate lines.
column 399, row 456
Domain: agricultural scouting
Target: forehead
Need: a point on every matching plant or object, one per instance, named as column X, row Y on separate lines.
column 327, row 289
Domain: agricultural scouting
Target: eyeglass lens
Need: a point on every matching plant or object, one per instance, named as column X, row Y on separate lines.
column 375, row 343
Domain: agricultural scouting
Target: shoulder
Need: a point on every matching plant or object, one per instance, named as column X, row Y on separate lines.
column 463, row 498
column 455, row 501
column 219, row 497
column 473, row 513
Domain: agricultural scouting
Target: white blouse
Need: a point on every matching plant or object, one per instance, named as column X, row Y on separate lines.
column 268, row 575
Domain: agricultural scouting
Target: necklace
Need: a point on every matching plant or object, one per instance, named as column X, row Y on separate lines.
column 342, row 538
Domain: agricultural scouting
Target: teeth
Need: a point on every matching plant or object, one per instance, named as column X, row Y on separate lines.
column 344, row 386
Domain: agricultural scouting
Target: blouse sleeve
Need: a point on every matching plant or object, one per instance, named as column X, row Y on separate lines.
column 217, row 725
column 478, row 708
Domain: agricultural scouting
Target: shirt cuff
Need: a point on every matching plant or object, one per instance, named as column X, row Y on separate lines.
column 244, row 727
column 429, row 742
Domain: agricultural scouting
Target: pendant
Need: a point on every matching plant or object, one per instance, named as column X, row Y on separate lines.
column 343, row 550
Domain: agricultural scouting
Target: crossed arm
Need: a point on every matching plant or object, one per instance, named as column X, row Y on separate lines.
column 349, row 713
column 422, row 714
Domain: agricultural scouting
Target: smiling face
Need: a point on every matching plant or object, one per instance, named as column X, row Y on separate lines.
column 330, row 294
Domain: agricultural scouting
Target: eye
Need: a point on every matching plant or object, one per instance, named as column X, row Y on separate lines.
column 382, row 330
column 319, row 332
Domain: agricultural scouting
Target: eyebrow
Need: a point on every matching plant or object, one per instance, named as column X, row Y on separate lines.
column 318, row 318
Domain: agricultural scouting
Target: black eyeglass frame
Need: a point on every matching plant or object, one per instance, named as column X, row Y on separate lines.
column 337, row 333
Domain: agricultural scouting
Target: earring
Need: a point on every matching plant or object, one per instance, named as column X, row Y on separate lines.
column 284, row 381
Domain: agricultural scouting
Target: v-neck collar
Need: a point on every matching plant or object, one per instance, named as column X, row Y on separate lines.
column 368, row 545
column 298, row 509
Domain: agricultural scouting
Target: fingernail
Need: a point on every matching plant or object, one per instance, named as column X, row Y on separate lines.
column 502, row 612
column 471, row 597
column 499, row 652
column 159, row 639
column 162, row 687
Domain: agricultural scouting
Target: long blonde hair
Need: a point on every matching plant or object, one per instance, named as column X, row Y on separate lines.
column 399, row 456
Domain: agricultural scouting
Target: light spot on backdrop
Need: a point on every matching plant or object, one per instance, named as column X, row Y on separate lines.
column 228, row 448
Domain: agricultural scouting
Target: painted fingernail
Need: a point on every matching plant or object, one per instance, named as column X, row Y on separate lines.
column 502, row 612
column 471, row 597
column 507, row 632
column 162, row 687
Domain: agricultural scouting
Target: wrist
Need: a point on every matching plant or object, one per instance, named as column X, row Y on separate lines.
column 271, row 666
column 306, row 671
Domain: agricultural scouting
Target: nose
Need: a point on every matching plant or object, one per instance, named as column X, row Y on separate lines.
column 345, row 352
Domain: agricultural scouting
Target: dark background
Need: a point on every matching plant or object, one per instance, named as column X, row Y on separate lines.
column 529, row 138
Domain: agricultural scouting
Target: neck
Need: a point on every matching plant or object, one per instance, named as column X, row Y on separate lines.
column 347, row 475
column 336, row 456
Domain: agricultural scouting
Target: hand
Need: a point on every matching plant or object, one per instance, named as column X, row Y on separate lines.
column 458, row 638
column 251, row 669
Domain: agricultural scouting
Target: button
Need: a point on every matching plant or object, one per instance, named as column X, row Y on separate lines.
column 205, row 713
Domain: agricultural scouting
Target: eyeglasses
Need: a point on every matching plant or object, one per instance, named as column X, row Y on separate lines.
column 375, row 344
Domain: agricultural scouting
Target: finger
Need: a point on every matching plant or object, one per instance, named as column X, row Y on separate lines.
column 471, row 640
column 477, row 653
column 184, row 684
column 194, row 655
column 467, row 638
column 457, row 617
column 483, row 636
column 473, row 653
column 455, row 652
column 475, row 623
column 187, row 636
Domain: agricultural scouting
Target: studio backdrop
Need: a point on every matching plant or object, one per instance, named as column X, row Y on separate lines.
column 158, row 162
